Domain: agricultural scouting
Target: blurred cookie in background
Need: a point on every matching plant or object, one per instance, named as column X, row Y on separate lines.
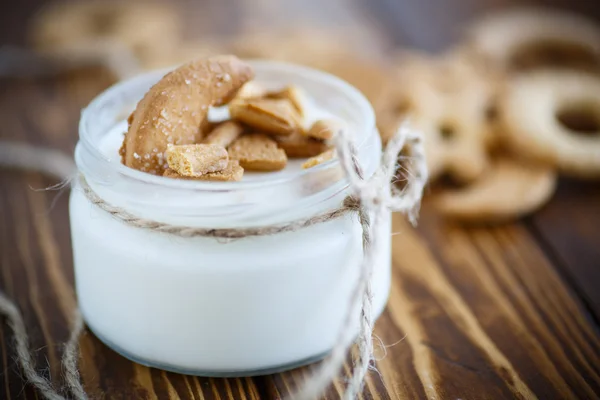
column 554, row 117
column 119, row 34
column 330, row 51
column 184, row 52
column 446, row 99
column 524, row 84
column 523, row 39
column 510, row 189
column 480, row 97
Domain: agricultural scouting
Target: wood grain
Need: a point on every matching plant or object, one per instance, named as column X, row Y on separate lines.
column 475, row 312
column 571, row 239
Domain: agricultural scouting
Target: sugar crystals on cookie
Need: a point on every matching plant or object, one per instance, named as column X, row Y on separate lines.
column 173, row 110
column 170, row 134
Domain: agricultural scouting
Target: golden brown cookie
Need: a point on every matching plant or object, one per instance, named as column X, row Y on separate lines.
column 258, row 152
column 277, row 117
column 224, row 134
column 196, row 159
column 446, row 99
column 174, row 109
column 293, row 94
column 554, row 117
column 320, row 159
column 526, row 38
column 324, row 129
column 299, row 146
column 232, row 173
column 509, row 190
column 251, row 90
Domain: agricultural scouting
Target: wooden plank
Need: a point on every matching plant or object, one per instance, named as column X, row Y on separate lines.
column 484, row 313
column 569, row 230
column 573, row 247
column 15, row 283
column 502, row 293
column 472, row 317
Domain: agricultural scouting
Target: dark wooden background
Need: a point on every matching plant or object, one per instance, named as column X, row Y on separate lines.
column 501, row 312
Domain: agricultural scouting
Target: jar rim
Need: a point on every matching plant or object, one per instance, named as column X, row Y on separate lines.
column 88, row 113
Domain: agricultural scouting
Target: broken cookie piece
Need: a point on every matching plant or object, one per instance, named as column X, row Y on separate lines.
column 194, row 160
column 224, row 134
column 175, row 108
column 298, row 146
column 293, row 94
column 277, row 117
column 258, row 152
column 250, row 90
column 324, row 129
column 231, row 173
column 320, row 159
column 170, row 133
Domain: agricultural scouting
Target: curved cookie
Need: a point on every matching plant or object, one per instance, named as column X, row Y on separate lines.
column 531, row 37
column 173, row 110
column 530, row 112
column 509, row 190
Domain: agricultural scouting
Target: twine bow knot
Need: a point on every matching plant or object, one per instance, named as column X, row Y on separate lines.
column 380, row 190
column 373, row 198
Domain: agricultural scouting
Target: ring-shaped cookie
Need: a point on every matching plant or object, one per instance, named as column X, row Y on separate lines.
column 522, row 39
column 445, row 99
column 537, row 112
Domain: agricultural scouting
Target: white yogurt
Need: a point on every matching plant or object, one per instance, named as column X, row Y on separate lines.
column 202, row 306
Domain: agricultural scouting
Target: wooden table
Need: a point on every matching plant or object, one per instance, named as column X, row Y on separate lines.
column 511, row 311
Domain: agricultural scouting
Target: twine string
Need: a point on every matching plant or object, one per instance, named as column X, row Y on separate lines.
column 15, row 321
column 377, row 196
column 349, row 205
column 370, row 198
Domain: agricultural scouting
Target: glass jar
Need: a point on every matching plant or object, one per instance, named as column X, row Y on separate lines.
column 206, row 306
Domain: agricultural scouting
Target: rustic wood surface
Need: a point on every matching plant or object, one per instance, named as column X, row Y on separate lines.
column 502, row 312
